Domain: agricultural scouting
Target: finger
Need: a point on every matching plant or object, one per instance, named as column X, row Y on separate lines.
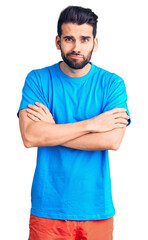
column 117, row 110
column 119, row 125
column 45, row 109
column 34, row 113
column 37, row 109
column 121, row 121
column 121, row 115
column 33, row 117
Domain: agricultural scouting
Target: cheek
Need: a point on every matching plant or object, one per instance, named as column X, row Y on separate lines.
column 87, row 46
column 66, row 48
column 87, row 49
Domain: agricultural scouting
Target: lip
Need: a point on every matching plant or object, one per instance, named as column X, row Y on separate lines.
column 75, row 56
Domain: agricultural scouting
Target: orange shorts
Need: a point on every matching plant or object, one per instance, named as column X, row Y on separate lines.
column 53, row 229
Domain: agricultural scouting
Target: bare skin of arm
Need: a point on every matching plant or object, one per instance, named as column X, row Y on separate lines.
column 110, row 140
column 42, row 133
column 84, row 135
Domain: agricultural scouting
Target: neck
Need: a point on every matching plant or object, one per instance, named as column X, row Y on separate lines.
column 74, row 72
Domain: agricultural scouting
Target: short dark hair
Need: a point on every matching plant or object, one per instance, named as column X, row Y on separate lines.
column 78, row 15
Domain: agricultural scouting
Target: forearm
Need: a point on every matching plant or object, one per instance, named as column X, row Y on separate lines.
column 44, row 134
column 110, row 140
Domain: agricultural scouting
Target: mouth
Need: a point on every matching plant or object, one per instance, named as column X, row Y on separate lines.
column 75, row 56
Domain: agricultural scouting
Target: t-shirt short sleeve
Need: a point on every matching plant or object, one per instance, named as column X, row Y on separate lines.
column 32, row 91
column 115, row 95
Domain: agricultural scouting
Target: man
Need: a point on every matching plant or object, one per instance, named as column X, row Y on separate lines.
column 74, row 112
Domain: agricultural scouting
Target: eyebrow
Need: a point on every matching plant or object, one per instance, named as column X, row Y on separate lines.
column 73, row 37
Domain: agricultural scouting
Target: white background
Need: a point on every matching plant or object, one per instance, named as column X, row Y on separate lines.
column 28, row 30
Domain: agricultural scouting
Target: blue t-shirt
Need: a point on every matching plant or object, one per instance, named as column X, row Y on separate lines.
column 68, row 183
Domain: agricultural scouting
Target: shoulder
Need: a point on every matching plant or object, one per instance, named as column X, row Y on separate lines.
column 41, row 71
column 106, row 77
column 41, row 74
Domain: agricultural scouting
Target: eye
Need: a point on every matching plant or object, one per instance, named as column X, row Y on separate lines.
column 68, row 39
column 85, row 40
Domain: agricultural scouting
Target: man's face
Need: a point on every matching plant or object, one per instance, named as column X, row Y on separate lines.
column 76, row 44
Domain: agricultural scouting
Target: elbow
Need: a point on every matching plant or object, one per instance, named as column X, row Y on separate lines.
column 117, row 138
column 26, row 140
column 115, row 146
column 28, row 134
column 29, row 139
column 27, row 143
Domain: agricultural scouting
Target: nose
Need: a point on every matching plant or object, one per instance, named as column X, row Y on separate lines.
column 76, row 46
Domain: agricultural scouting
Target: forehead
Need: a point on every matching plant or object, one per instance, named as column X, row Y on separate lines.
column 73, row 29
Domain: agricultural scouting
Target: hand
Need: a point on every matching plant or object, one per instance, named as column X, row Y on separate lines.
column 39, row 113
column 115, row 118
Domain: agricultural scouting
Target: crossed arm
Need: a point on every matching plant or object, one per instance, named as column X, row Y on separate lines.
column 110, row 140
column 39, row 129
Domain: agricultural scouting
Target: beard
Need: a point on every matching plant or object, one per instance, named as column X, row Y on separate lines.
column 76, row 63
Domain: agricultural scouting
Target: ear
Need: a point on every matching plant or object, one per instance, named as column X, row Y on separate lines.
column 57, row 42
column 95, row 45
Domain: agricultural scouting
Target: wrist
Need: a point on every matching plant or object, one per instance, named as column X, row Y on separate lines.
column 89, row 125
